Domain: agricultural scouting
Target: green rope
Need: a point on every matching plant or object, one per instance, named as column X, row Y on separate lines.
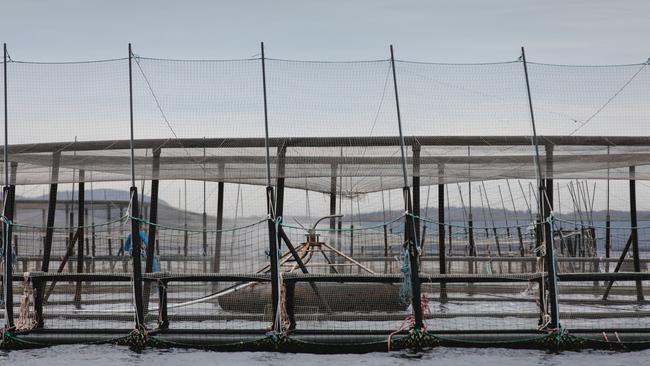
column 147, row 222
column 19, row 225
column 466, row 226
column 581, row 225
column 377, row 226
column 9, row 341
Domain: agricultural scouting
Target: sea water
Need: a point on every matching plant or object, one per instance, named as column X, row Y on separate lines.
column 106, row 355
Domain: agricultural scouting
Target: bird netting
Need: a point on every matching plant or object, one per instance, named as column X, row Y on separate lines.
column 363, row 259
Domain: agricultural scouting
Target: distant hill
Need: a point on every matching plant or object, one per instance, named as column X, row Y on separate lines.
column 174, row 216
column 105, row 194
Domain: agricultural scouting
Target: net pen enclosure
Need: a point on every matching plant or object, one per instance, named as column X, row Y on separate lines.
column 312, row 206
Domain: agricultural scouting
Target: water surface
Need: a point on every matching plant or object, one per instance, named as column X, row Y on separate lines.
column 107, row 355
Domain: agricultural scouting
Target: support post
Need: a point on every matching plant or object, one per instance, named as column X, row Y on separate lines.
column 279, row 185
column 416, row 192
column 550, row 250
column 441, row 232
column 270, row 205
column 547, row 199
column 274, row 260
column 333, row 188
column 411, row 246
column 635, row 233
column 410, row 237
column 49, row 235
column 216, row 260
column 9, row 205
column 136, row 255
column 608, row 223
column 472, row 244
column 80, row 237
column 289, row 287
column 186, row 245
column 109, row 227
column 470, row 218
column 10, row 214
column 135, row 215
column 205, row 236
column 7, row 211
column 548, row 183
column 205, row 215
column 153, row 220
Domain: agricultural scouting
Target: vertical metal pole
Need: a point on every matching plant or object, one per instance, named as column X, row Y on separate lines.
column 6, row 114
column 410, row 236
column 131, row 116
column 9, row 213
column 450, row 235
column 136, row 258
column 470, row 219
column 441, row 231
column 550, row 250
column 383, row 212
column 6, row 212
column 547, row 199
column 279, row 185
column 153, row 220
column 10, row 196
column 494, row 226
column 93, row 244
column 135, row 214
column 216, row 261
column 205, row 215
column 153, row 210
column 80, row 236
column 608, row 221
column 186, row 246
column 399, row 119
column 333, row 171
column 548, row 184
column 505, row 217
column 270, row 202
column 635, row 233
column 49, row 235
column 416, row 191
column 266, row 119
column 109, row 227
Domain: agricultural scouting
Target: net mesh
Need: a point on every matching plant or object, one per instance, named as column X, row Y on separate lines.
column 354, row 250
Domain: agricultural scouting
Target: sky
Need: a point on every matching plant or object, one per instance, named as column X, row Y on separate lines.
column 573, row 32
column 559, row 32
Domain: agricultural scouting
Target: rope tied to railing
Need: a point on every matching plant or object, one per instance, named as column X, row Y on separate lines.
column 6, row 220
column 405, row 290
column 27, row 319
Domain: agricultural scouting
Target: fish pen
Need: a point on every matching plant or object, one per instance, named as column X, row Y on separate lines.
column 309, row 206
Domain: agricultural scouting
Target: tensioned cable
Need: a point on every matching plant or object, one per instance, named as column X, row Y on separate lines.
column 374, row 124
column 155, row 98
column 164, row 116
column 616, row 94
column 70, row 62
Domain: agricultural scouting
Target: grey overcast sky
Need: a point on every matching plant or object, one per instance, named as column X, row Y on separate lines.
column 564, row 32
column 576, row 32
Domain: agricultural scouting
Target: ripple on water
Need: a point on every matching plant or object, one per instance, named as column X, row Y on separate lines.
column 107, row 355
